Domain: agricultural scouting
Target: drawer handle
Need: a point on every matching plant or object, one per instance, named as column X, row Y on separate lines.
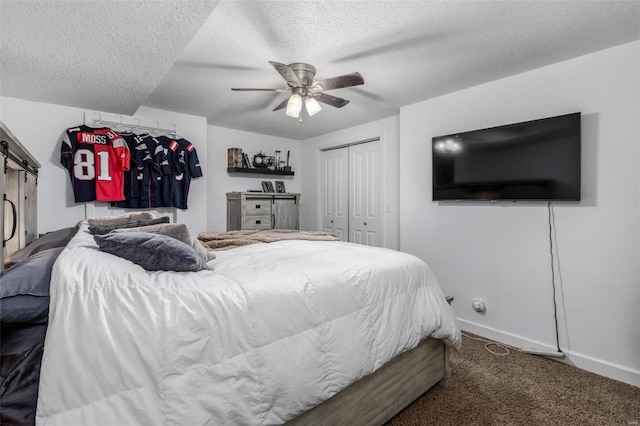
column 257, row 206
column 257, row 222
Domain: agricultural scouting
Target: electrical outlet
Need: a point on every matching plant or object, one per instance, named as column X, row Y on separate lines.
column 478, row 305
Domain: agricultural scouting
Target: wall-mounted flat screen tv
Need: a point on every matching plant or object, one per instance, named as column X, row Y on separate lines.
column 533, row 160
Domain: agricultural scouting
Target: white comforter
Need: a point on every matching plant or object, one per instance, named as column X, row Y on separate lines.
column 270, row 331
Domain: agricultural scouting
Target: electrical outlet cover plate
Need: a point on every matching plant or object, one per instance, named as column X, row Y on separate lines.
column 479, row 305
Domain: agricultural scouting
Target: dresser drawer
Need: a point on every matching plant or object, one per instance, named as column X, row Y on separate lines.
column 257, row 206
column 257, row 222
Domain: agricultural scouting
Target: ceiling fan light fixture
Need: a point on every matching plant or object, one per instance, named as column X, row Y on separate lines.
column 313, row 106
column 299, row 77
column 294, row 106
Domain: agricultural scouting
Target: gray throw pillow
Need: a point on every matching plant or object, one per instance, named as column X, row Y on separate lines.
column 53, row 239
column 120, row 219
column 179, row 231
column 24, row 289
column 101, row 230
column 154, row 252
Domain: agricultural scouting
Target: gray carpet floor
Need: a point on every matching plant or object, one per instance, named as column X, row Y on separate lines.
column 521, row 389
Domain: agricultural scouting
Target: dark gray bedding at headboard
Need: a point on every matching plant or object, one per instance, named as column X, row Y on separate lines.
column 20, row 360
column 24, row 308
column 53, row 239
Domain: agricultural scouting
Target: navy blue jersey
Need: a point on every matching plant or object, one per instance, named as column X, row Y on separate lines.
column 171, row 150
column 189, row 168
column 160, row 166
column 184, row 163
column 131, row 189
column 152, row 164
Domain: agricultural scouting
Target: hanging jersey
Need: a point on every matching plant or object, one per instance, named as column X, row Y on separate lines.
column 171, row 149
column 151, row 156
column 131, row 187
column 161, row 170
column 96, row 160
column 189, row 167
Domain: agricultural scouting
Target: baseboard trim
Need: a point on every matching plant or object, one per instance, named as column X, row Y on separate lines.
column 582, row 361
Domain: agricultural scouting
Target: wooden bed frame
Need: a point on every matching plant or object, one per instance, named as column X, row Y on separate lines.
column 376, row 398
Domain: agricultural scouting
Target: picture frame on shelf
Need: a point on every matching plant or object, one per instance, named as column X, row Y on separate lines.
column 280, row 187
column 267, row 186
column 234, row 157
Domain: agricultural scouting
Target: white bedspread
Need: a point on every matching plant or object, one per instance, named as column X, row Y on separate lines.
column 270, row 331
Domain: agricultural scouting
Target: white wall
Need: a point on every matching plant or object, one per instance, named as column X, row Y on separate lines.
column 220, row 182
column 40, row 126
column 387, row 130
column 500, row 252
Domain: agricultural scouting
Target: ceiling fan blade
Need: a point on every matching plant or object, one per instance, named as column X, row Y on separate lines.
column 282, row 104
column 347, row 80
column 241, row 89
column 330, row 100
column 287, row 73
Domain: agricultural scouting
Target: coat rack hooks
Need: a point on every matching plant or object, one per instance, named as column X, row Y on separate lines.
column 118, row 120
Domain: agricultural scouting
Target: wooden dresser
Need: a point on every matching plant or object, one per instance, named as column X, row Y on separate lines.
column 262, row 210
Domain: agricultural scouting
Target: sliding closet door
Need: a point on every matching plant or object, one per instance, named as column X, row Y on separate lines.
column 350, row 185
column 335, row 200
column 364, row 193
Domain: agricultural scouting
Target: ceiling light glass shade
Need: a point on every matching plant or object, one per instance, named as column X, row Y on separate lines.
column 313, row 106
column 294, row 106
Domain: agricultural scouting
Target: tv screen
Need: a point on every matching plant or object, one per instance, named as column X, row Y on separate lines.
column 533, row 160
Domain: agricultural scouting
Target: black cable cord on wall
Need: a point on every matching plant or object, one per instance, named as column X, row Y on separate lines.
column 505, row 347
column 553, row 275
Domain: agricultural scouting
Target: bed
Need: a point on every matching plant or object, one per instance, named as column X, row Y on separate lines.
column 294, row 331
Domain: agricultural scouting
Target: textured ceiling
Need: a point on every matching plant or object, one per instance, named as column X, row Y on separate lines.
column 100, row 55
column 185, row 56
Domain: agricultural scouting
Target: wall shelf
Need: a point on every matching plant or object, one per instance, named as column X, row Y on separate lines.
column 258, row 171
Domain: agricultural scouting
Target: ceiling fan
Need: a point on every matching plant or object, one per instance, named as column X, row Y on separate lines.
column 299, row 78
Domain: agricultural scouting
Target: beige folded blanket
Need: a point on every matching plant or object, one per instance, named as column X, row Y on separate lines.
column 231, row 239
